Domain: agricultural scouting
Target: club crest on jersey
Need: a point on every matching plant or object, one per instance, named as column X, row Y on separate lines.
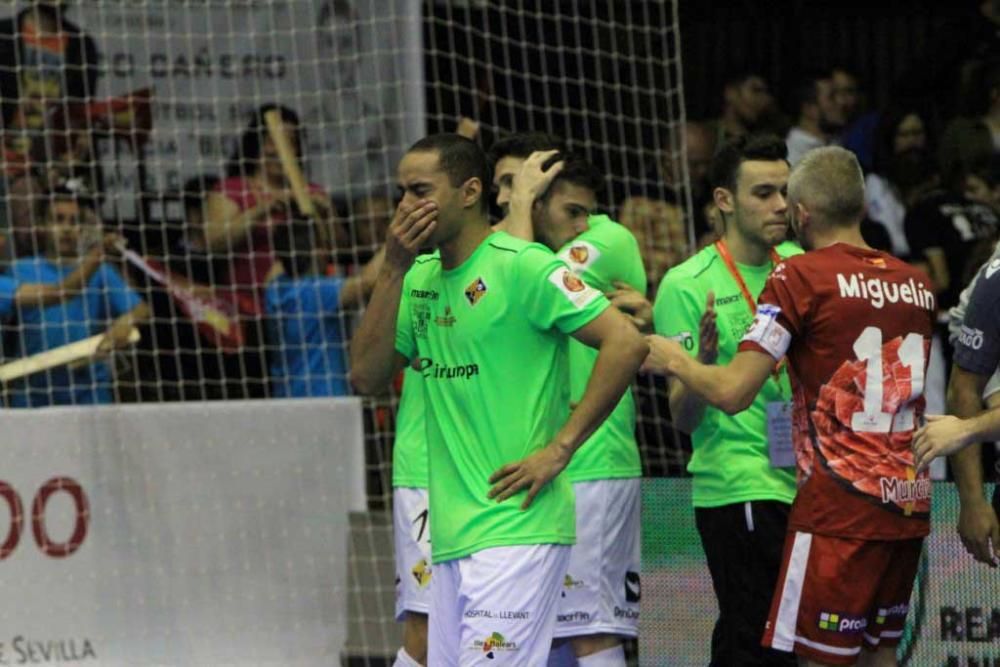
column 579, row 254
column 475, row 291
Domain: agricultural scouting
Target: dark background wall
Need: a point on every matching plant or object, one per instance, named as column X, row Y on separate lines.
column 610, row 87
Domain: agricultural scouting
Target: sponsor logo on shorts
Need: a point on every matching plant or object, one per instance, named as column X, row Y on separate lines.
column 972, row 338
column 494, row 644
column 501, row 614
column 842, row 623
column 633, row 589
column 573, row 617
column 475, row 291
column 626, row 613
column 422, row 573
column 885, row 613
column 569, row 583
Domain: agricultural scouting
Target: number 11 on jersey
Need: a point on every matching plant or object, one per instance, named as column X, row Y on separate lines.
column 873, row 418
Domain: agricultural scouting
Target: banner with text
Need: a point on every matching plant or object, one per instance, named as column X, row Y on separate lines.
column 181, row 534
column 351, row 69
column 953, row 618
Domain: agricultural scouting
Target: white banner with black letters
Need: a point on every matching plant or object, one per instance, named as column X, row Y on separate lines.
column 351, row 69
column 177, row 534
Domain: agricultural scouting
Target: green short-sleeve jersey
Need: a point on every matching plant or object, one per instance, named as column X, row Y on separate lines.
column 490, row 339
column 605, row 253
column 729, row 460
column 409, row 450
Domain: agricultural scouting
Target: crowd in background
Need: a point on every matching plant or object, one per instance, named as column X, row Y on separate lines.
column 287, row 285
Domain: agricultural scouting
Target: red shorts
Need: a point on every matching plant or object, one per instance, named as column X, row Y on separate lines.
column 835, row 595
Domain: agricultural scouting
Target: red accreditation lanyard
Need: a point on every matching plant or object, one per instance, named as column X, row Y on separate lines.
column 727, row 259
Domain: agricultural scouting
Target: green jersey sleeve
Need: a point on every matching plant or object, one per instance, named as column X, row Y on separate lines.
column 677, row 311
column 551, row 295
column 605, row 253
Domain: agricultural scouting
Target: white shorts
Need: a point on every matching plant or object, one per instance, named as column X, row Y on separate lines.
column 411, row 532
column 496, row 607
column 601, row 591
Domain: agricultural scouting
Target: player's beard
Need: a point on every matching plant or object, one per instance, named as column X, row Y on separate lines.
column 763, row 236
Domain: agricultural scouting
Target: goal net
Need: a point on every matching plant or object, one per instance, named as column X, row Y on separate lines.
column 150, row 121
column 171, row 124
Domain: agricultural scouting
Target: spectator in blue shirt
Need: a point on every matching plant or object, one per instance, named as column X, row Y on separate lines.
column 307, row 312
column 14, row 295
column 105, row 305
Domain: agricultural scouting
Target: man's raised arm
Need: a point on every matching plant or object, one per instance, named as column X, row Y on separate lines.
column 530, row 183
column 374, row 359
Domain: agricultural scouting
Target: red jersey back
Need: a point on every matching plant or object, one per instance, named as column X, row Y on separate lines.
column 856, row 327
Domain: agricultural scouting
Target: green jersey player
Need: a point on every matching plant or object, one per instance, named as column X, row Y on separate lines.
column 552, row 198
column 486, row 323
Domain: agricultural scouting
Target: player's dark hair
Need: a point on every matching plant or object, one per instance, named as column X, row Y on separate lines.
column 460, row 158
column 737, row 76
column 195, row 189
column 578, row 171
column 806, row 91
column 294, row 244
column 523, row 144
column 885, row 134
column 69, row 190
column 245, row 160
column 726, row 164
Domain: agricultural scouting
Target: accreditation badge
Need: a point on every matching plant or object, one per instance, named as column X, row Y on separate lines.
column 779, row 434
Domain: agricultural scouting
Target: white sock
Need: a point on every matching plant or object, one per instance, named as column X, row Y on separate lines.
column 609, row 657
column 403, row 659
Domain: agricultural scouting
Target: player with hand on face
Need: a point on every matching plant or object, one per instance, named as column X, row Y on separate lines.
column 854, row 326
column 552, row 196
column 486, row 321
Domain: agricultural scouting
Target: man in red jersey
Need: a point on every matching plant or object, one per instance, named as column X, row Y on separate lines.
column 854, row 325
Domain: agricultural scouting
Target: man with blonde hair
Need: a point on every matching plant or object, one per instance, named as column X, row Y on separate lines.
column 854, row 326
